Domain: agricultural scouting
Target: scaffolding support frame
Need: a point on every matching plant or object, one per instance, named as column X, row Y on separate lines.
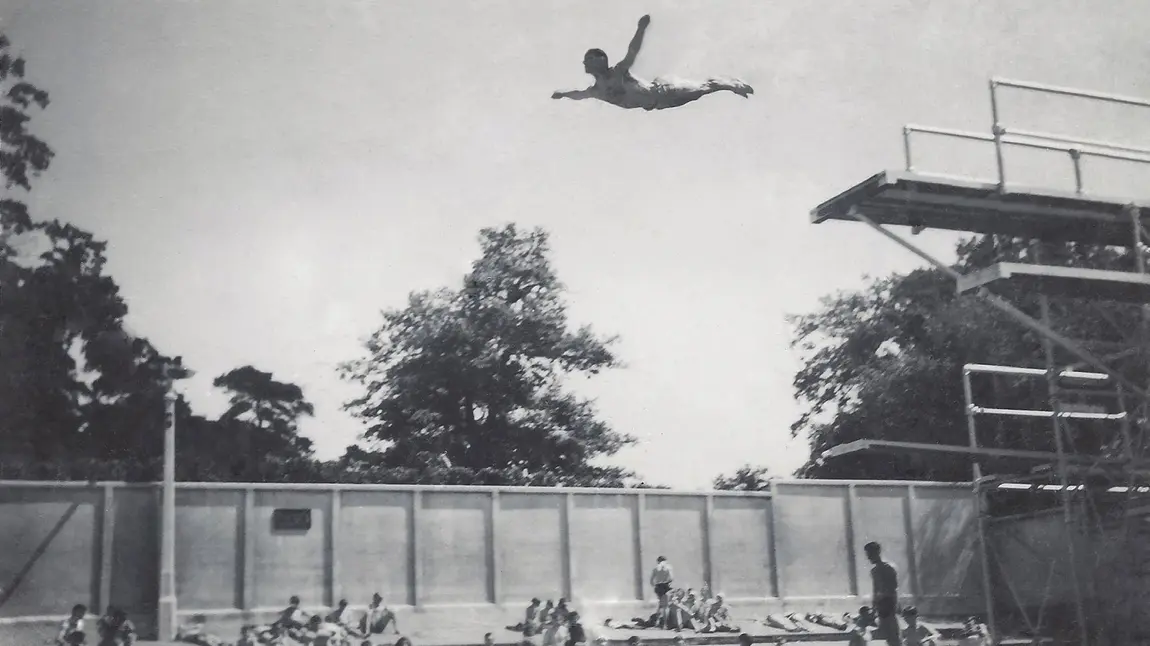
column 1076, row 149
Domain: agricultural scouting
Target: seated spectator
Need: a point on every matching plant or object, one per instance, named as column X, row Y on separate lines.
column 554, row 633
column 196, row 632
column 974, row 633
column 325, row 633
column 545, row 614
column 718, row 618
column 915, row 633
column 679, row 617
column 341, row 616
column 575, row 633
column 378, row 618
column 72, row 629
column 115, row 629
column 633, row 640
column 248, row 636
column 863, row 622
column 562, row 611
column 745, row 640
column 291, row 619
column 531, row 615
column 488, row 639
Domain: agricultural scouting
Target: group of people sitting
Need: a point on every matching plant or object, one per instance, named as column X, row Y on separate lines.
column 551, row 624
column 861, row 626
column 113, row 628
column 682, row 609
column 336, row 628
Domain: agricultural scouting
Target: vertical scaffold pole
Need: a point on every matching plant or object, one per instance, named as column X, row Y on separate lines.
column 980, row 507
column 1063, row 479
column 998, row 132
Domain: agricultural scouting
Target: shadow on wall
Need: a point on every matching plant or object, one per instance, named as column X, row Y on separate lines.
column 9, row 588
column 946, row 546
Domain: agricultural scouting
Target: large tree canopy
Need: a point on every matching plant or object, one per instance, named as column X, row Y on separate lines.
column 886, row 363
column 468, row 385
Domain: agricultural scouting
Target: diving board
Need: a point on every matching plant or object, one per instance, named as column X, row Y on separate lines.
column 885, row 446
column 1071, row 282
column 936, row 202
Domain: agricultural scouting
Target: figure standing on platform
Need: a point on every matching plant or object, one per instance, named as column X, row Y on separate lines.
column 885, row 602
column 616, row 85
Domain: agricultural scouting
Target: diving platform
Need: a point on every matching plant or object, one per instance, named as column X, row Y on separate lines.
column 925, row 201
column 1066, row 282
column 989, row 454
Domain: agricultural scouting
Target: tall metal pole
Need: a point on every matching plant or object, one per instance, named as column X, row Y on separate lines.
column 167, row 602
column 1063, row 479
column 980, row 508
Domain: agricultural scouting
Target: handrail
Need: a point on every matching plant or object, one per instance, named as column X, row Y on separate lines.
column 1066, row 91
column 1024, row 139
column 1094, row 143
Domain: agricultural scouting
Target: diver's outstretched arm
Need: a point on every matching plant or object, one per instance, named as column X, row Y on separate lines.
column 577, row 95
column 636, row 44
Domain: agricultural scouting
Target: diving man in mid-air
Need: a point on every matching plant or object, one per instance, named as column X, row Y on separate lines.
column 616, row 86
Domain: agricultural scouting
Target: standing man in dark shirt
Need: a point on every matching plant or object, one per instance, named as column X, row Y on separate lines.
column 885, row 599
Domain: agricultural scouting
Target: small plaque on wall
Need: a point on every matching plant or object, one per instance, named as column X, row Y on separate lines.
column 291, row 520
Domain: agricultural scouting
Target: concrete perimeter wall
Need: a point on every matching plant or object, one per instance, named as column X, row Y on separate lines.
column 798, row 545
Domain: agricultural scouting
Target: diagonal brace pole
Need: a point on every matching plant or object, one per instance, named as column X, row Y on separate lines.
column 1003, row 305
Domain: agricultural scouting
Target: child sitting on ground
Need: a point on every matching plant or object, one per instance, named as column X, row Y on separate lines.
column 915, row 633
column 974, row 633
column 195, row 632
column 248, row 636
column 378, row 618
column 554, row 633
column 116, row 629
column 72, row 629
column 530, row 617
column 545, row 614
column 322, row 633
column 341, row 617
column 718, row 618
column 863, row 621
column 575, row 633
column 291, row 620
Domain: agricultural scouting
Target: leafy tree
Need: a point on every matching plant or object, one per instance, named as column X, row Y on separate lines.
column 61, row 323
column 264, row 415
column 467, row 385
column 886, row 363
column 746, row 478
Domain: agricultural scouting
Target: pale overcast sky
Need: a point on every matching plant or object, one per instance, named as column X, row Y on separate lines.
column 271, row 174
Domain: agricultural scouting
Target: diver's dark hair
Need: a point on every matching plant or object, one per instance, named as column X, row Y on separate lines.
column 596, row 52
